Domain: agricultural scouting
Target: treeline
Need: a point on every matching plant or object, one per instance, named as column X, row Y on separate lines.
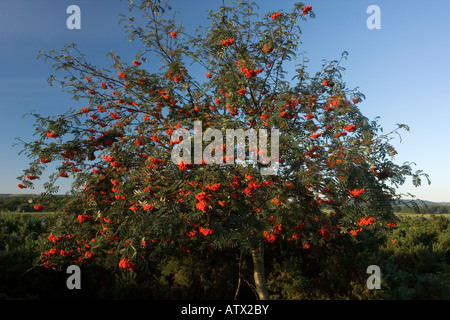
column 428, row 209
column 25, row 203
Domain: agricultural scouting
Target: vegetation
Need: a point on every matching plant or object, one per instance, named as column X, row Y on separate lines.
column 424, row 209
column 25, row 203
column 414, row 260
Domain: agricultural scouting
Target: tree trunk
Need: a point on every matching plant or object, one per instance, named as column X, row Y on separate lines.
column 258, row 272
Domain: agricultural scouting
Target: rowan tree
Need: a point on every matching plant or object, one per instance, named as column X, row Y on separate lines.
column 335, row 175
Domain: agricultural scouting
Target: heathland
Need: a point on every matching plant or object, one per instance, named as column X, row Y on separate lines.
column 414, row 259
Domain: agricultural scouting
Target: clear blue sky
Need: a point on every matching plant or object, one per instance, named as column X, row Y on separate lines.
column 403, row 68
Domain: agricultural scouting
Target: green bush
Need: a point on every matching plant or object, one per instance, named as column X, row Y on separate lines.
column 19, row 248
column 414, row 260
column 419, row 254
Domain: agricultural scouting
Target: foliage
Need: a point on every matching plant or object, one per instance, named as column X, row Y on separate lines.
column 415, row 266
column 19, row 249
column 414, row 263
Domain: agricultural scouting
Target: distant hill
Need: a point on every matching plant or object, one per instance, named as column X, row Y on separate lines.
column 15, row 195
column 6, row 195
column 11, row 195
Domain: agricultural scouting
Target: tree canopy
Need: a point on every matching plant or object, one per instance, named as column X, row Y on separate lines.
column 333, row 168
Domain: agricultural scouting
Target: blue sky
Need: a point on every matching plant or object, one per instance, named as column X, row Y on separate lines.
column 402, row 68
